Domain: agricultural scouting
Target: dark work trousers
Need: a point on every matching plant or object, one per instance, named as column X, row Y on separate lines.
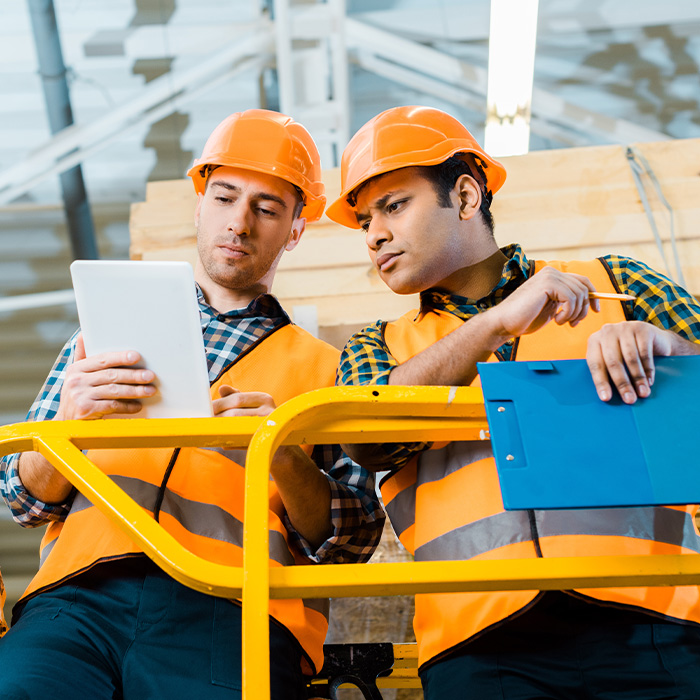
column 567, row 649
column 127, row 631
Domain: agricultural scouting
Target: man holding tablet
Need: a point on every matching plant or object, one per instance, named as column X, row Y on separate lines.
column 99, row 615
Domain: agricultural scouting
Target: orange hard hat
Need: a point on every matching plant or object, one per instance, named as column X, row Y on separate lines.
column 402, row 137
column 266, row 142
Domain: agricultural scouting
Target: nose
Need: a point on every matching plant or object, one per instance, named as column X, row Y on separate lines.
column 238, row 220
column 377, row 234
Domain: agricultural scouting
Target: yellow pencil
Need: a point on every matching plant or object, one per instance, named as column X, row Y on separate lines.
column 608, row 295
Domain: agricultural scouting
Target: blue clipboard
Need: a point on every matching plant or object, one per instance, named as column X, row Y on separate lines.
column 557, row 445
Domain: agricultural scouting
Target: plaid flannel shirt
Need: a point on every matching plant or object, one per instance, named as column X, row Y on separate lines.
column 356, row 515
column 366, row 358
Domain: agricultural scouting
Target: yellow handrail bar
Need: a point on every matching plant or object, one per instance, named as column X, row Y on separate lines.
column 61, row 442
column 361, row 408
column 357, row 414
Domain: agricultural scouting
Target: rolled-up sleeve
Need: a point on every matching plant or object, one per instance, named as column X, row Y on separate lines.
column 356, row 514
column 27, row 510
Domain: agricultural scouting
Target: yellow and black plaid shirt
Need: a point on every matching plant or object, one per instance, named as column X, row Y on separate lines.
column 658, row 300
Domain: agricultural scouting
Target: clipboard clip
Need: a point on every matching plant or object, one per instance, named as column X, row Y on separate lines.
column 540, row 366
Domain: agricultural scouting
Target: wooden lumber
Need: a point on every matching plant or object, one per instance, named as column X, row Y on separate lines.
column 573, row 203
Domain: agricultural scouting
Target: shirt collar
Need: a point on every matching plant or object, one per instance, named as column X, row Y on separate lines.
column 265, row 305
column 516, row 270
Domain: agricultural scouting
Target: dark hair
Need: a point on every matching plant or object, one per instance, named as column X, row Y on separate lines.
column 443, row 177
column 206, row 170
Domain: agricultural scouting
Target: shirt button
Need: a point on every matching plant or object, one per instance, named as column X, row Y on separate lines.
column 483, row 305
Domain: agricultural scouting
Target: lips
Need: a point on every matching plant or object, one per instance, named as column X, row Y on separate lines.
column 386, row 260
column 233, row 251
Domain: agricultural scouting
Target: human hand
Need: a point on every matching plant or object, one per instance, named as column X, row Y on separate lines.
column 548, row 295
column 102, row 385
column 242, row 403
column 622, row 354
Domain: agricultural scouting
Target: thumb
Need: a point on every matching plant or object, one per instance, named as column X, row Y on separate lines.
column 79, row 348
column 226, row 390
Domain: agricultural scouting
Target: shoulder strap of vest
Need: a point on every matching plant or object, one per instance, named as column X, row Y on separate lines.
column 411, row 333
column 553, row 342
column 284, row 364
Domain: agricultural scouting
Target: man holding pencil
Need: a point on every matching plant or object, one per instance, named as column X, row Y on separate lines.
column 420, row 187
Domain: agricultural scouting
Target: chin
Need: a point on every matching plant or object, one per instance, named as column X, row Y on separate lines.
column 403, row 288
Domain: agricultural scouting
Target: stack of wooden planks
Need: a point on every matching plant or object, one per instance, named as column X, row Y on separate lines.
column 569, row 204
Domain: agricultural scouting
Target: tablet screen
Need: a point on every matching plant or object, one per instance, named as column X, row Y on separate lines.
column 150, row 307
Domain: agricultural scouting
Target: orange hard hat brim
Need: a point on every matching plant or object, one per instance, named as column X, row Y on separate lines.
column 342, row 213
column 313, row 208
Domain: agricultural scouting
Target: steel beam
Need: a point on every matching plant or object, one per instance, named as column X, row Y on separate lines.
column 457, row 74
column 159, row 98
column 60, row 114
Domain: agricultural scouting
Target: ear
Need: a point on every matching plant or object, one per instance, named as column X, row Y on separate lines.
column 468, row 194
column 298, row 227
column 197, row 209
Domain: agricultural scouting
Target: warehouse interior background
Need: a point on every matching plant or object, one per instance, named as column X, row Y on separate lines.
column 149, row 79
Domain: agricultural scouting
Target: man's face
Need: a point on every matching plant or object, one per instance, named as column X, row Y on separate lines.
column 414, row 243
column 245, row 221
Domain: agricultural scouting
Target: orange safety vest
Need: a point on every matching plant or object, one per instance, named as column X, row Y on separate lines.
column 445, row 504
column 203, row 502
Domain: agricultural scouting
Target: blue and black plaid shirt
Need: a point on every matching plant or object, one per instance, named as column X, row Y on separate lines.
column 355, row 511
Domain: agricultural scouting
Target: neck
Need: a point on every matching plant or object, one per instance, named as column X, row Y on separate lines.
column 223, row 299
column 477, row 280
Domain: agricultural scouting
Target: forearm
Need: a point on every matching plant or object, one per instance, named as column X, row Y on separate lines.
column 682, row 346
column 452, row 360
column 385, row 456
column 373, row 457
column 26, row 510
column 305, row 493
column 357, row 517
column 42, row 480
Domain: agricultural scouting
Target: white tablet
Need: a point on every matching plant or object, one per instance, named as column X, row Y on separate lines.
column 150, row 307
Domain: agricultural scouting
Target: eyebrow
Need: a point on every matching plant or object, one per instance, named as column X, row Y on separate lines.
column 265, row 196
column 379, row 204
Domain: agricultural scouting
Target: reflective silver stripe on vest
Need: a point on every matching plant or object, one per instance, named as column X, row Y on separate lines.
column 237, row 456
column 45, row 551
column 202, row 519
column 656, row 524
column 477, row 538
column 434, row 465
column 402, row 510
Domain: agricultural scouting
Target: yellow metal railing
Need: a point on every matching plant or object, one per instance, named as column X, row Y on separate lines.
column 359, row 414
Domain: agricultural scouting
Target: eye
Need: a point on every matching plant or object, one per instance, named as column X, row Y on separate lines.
column 267, row 212
column 365, row 225
column 395, row 206
column 222, row 199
